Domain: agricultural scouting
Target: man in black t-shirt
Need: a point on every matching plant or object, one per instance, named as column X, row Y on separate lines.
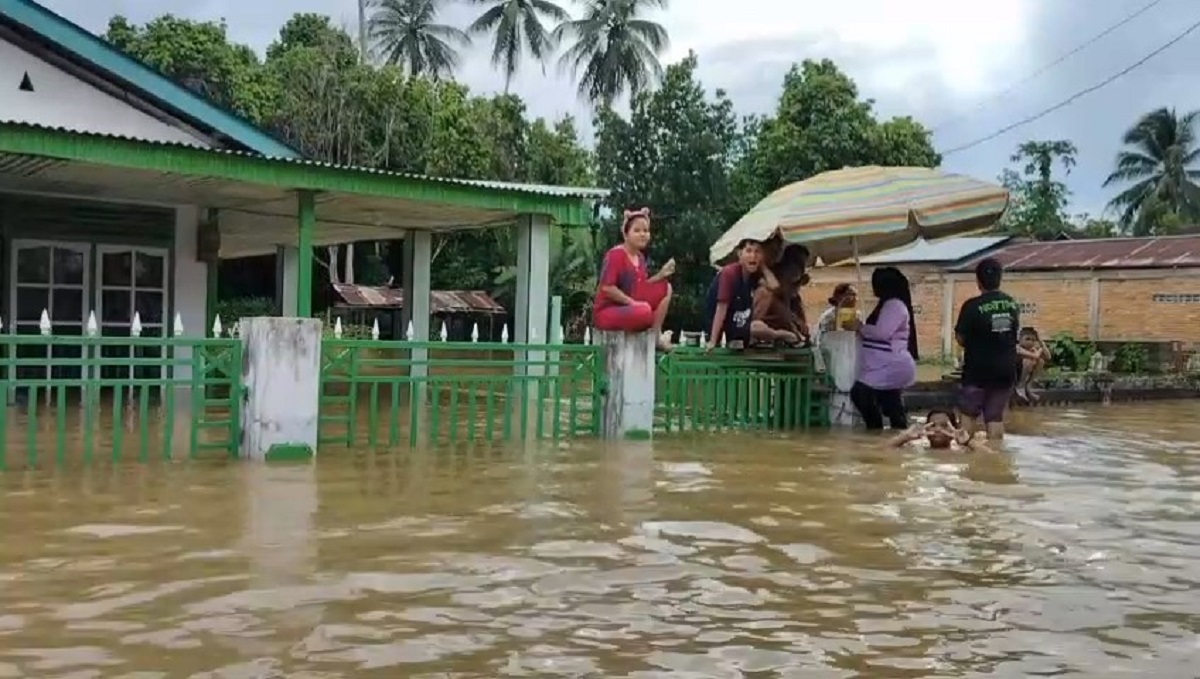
column 987, row 331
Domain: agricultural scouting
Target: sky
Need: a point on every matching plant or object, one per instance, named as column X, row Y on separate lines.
column 959, row 67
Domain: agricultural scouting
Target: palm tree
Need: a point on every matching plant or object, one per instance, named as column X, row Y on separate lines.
column 517, row 25
column 1160, row 159
column 615, row 50
column 407, row 33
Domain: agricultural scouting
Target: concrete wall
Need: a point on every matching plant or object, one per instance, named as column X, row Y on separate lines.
column 59, row 99
column 1111, row 305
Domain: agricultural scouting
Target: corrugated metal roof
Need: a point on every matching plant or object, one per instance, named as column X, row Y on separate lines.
column 1106, row 253
column 440, row 301
column 948, row 250
column 536, row 189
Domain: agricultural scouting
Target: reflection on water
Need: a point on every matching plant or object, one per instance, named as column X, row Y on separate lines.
column 1073, row 554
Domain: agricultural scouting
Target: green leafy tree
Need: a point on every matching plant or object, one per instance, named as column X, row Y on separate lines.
column 821, row 124
column 613, row 49
column 199, row 55
column 516, row 26
column 315, row 31
column 407, row 34
column 1038, row 201
column 1087, row 226
column 1160, row 166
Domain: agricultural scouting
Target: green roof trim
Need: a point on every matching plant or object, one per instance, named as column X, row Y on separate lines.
column 113, row 63
column 570, row 209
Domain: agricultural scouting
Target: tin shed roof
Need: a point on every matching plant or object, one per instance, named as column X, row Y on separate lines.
column 947, row 250
column 1104, row 253
column 440, row 301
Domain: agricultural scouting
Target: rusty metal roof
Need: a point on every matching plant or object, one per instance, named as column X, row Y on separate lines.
column 1105, row 253
column 440, row 301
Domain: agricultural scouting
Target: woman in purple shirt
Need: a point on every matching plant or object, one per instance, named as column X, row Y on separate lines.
column 887, row 353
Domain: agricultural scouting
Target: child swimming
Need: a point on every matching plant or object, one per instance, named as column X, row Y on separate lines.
column 940, row 432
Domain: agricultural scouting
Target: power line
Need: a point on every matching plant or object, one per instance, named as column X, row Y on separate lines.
column 1078, row 95
column 1038, row 73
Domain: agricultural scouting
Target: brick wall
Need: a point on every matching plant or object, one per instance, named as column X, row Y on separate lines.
column 1050, row 304
column 1163, row 309
column 1134, row 305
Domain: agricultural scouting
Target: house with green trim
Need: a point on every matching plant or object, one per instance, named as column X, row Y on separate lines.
column 120, row 189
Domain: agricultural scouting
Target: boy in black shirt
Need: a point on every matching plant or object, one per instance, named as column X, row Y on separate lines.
column 987, row 331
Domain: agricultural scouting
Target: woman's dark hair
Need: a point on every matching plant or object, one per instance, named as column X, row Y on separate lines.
column 839, row 291
column 889, row 283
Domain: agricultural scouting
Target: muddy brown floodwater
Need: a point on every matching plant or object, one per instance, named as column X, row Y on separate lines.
column 1076, row 553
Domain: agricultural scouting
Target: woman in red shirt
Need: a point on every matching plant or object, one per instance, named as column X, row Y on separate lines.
column 628, row 299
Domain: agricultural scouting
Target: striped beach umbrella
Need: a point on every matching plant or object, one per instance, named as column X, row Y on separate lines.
column 864, row 210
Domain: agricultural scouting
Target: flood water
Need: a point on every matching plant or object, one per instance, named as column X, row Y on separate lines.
column 1074, row 553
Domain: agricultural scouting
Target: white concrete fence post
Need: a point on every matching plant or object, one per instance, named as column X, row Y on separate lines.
column 631, row 367
column 839, row 348
column 281, row 373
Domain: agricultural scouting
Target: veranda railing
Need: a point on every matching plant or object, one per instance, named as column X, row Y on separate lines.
column 379, row 393
column 84, row 396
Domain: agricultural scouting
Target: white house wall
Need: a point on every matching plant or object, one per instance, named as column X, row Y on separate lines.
column 59, row 99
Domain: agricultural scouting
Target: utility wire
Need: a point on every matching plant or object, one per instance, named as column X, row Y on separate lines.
column 1078, row 95
column 1039, row 72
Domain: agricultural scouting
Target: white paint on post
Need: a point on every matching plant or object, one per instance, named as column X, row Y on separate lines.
column 281, row 371
column 840, row 348
column 287, row 279
column 948, row 312
column 556, row 323
column 418, row 258
column 629, row 402
column 533, row 289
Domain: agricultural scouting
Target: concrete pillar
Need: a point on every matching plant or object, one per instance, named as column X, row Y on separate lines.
column 629, row 401
column 841, row 362
column 948, row 319
column 1093, row 308
column 281, row 372
column 306, row 212
column 533, row 279
column 416, row 279
column 287, row 280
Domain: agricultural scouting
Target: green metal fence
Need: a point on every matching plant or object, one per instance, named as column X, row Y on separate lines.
column 389, row 393
column 80, row 398
column 739, row 390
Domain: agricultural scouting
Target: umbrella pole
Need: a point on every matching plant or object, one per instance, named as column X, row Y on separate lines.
column 857, row 262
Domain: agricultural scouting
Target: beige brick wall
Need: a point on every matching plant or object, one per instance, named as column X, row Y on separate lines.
column 1163, row 309
column 1050, row 304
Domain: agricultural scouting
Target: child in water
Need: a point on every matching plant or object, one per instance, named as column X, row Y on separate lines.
column 940, row 432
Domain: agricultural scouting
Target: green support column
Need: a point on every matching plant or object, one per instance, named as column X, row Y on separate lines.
column 307, row 212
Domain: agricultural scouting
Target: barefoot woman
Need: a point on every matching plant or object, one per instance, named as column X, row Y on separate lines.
column 628, row 299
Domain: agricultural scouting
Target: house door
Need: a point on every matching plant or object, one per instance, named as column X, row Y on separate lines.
column 132, row 280
column 51, row 277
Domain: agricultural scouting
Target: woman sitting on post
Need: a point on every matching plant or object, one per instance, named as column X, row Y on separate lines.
column 887, row 353
column 628, row 299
